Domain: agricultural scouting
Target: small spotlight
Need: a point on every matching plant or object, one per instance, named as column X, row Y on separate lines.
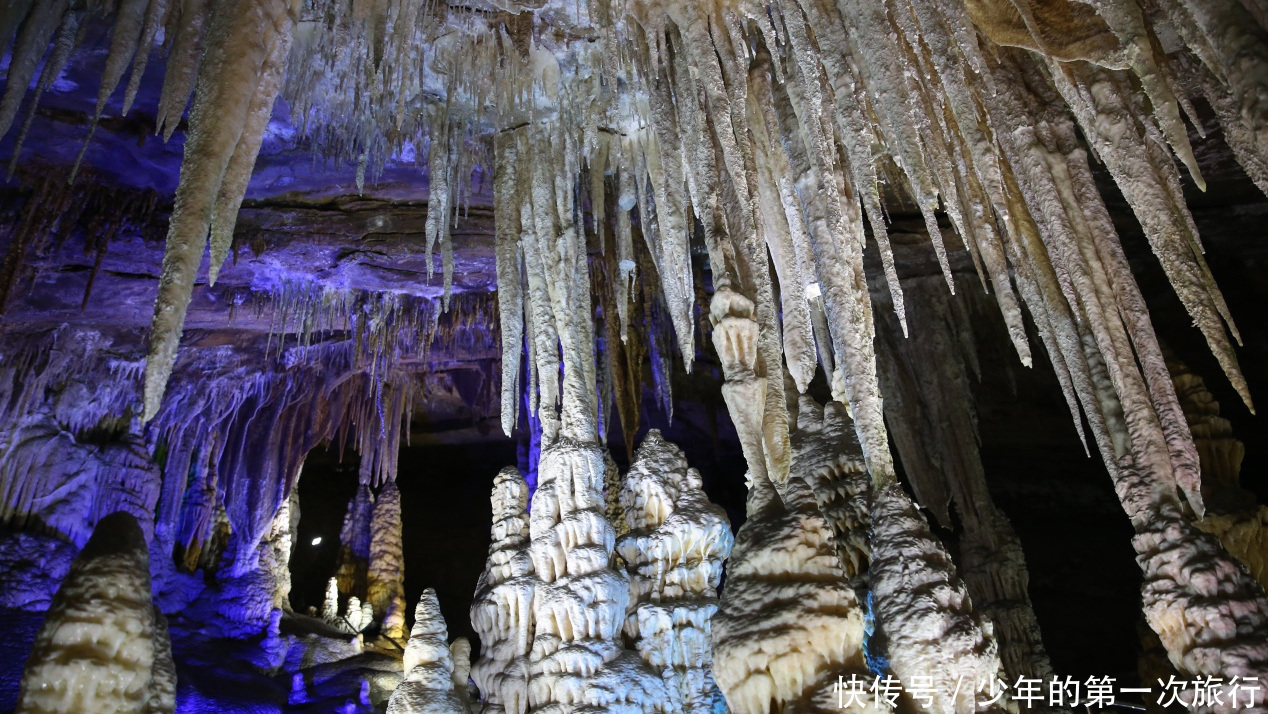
column 317, row 540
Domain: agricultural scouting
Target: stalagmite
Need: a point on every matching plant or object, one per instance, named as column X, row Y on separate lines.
column 330, row 604
column 429, row 668
column 1211, row 615
column 280, row 542
column 789, row 623
column 460, row 653
column 932, row 630
column 673, row 553
column 576, row 658
column 830, row 463
column 99, row 649
column 385, row 575
column 502, row 608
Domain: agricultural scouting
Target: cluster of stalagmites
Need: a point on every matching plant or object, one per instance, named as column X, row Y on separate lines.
column 563, row 627
column 673, row 552
column 369, row 576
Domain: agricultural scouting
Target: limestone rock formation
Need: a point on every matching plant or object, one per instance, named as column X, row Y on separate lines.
column 1233, row 517
column 103, row 647
column 352, row 566
column 385, row 574
column 429, row 667
column 789, row 623
column 31, row 567
column 673, row 552
column 50, row 478
column 502, row 609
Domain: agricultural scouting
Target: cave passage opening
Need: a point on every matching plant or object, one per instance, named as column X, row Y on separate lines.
column 326, row 485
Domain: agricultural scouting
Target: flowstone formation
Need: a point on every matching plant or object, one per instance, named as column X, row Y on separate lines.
column 103, row 647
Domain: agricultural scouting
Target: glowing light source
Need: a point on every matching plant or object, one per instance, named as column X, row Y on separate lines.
column 317, row 540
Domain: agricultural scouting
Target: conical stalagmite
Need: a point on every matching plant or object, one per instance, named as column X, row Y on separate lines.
column 789, row 623
column 429, row 668
column 103, row 646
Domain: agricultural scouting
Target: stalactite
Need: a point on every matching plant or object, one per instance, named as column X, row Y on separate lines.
column 155, row 11
column 186, row 38
column 240, row 42
column 32, row 42
column 782, row 220
column 442, row 175
column 1151, row 185
column 237, row 173
column 125, row 36
column 929, row 408
column 507, row 202
column 68, row 36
